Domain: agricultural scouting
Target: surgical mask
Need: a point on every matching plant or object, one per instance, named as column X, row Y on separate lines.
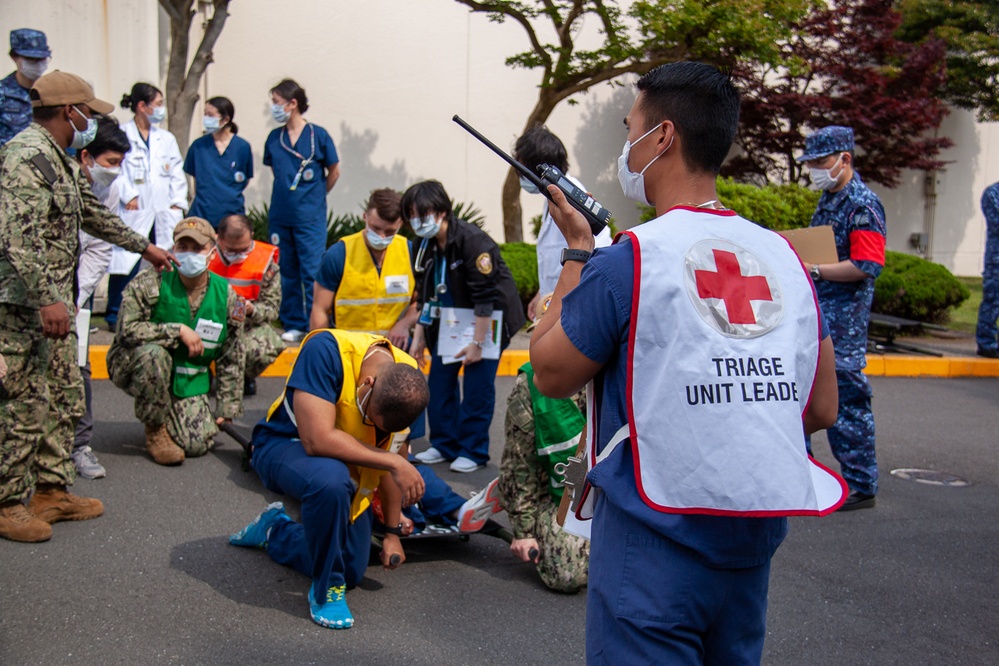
column 426, row 226
column 103, row 176
column 360, row 405
column 822, row 178
column 191, row 264
column 33, row 69
column 528, row 186
column 211, row 123
column 82, row 139
column 378, row 242
column 279, row 113
column 633, row 184
column 158, row 115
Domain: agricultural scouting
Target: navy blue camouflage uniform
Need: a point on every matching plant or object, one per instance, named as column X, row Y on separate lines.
column 15, row 105
column 858, row 221
column 988, row 311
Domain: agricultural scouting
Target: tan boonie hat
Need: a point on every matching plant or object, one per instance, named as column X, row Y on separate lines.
column 197, row 229
column 61, row 88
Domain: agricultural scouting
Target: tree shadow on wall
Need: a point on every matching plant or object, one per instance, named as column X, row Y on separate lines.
column 360, row 175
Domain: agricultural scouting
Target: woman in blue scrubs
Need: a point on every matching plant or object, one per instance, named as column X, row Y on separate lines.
column 306, row 168
column 220, row 163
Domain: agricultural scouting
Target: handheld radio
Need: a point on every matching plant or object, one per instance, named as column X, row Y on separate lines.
column 595, row 214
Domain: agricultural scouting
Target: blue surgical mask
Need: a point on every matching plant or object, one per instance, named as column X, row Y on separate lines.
column 633, row 184
column 377, row 242
column 426, row 226
column 158, row 115
column 528, row 186
column 82, row 139
column 211, row 123
column 191, row 264
column 279, row 113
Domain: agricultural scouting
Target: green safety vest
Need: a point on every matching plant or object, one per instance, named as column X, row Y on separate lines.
column 558, row 425
column 190, row 375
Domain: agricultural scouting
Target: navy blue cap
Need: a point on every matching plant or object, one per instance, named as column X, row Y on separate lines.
column 826, row 141
column 29, row 43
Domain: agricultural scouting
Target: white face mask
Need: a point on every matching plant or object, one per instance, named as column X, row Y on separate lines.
column 191, row 264
column 377, row 242
column 32, row 69
column 426, row 226
column 211, row 123
column 102, row 175
column 528, row 186
column 633, row 184
column 822, row 178
column 157, row 115
column 279, row 113
column 82, row 139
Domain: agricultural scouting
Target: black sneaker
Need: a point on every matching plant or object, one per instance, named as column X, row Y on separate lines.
column 988, row 353
column 250, row 387
column 857, row 500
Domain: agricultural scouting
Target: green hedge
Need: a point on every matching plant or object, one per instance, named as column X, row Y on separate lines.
column 914, row 288
column 522, row 258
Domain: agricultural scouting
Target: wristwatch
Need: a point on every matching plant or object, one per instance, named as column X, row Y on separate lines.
column 574, row 255
column 394, row 530
column 815, row 272
column 478, row 343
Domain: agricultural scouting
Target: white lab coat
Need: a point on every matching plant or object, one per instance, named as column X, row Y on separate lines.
column 155, row 174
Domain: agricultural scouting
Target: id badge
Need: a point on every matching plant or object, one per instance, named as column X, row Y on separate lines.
column 208, row 330
column 425, row 319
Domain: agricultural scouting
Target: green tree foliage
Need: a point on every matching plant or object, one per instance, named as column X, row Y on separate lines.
column 914, row 288
column 650, row 33
column 522, row 258
column 970, row 29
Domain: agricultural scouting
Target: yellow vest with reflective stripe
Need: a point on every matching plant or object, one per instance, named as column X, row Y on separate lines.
column 353, row 347
column 362, row 301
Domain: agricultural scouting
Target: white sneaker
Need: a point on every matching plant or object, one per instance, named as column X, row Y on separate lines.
column 430, row 457
column 474, row 513
column 86, row 464
column 293, row 335
column 465, row 465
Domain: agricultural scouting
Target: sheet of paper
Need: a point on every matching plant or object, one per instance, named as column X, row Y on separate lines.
column 82, row 337
column 580, row 528
column 458, row 329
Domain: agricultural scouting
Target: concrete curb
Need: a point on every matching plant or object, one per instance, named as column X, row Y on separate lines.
column 512, row 359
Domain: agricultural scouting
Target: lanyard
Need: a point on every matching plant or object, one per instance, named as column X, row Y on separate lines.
column 305, row 160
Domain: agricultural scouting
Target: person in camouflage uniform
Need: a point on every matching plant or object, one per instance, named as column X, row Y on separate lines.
column 531, row 496
column 988, row 311
column 156, row 358
column 30, row 52
column 44, row 202
column 252, row 269
column 846, row 292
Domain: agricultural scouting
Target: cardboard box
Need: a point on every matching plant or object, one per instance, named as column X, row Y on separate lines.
column 814, row 245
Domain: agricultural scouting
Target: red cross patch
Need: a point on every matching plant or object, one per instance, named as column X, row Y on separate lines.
column 732, row 289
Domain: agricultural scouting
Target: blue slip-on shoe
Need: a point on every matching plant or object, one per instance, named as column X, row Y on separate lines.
column 256, row 533
column 333, row 613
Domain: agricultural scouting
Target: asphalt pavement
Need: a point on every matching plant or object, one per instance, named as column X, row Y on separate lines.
column 912, row 581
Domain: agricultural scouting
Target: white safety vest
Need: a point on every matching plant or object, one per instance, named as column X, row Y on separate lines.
column 724, row 350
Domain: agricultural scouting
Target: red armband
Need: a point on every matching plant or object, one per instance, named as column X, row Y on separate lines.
column 867, row 246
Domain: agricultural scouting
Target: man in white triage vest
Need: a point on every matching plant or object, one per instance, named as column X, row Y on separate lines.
column 709, row 361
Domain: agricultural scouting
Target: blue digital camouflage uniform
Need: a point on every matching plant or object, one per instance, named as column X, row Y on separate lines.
column 15, row 105
column 988, row 311
column 858, row 221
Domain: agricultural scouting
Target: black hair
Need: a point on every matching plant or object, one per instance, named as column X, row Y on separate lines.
column 110, row 137
column 288, row 89
column 426, row 198
column 45, row 113
column 141, row 92
column 230, row 223
column 703, row 104
column 224, row 106
column 539, row 146
column 399, row 396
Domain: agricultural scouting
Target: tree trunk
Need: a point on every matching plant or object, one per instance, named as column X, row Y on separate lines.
column 513, row 214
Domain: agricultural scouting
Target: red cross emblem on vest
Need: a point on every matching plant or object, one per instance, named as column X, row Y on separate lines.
column 736, row 290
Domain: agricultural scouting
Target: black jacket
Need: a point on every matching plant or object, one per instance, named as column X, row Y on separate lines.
column 477, row 277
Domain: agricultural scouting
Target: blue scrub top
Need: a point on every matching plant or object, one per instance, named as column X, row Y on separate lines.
column 596, row 319
column 307, row 204
column 221, row 179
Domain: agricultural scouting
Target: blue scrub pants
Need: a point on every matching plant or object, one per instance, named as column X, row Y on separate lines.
column 116, row 287
column 652, row 601
column 325, row 546
column 460, row 427
column 301, row 252
column 438, row 503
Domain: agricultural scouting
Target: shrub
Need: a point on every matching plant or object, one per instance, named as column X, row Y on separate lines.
column 522, row 258
column 914, row 288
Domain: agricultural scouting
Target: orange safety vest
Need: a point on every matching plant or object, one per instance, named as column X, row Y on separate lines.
column 247, row 277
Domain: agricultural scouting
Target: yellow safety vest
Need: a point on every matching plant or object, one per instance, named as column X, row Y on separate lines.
column 353, row 347
column 366, row 301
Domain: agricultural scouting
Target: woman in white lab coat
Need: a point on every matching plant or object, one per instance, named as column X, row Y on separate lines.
column 152, row 185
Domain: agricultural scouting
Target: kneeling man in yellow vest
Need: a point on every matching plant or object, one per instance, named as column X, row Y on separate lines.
column 171, row 327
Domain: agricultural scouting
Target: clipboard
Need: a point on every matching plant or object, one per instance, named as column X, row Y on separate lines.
column 814, row 245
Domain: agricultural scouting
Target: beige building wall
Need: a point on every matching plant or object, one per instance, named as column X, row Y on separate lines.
column 385, row 77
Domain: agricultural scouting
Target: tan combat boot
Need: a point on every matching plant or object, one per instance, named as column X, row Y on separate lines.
column 17, row 524
column 53, row 504
column 161, row 446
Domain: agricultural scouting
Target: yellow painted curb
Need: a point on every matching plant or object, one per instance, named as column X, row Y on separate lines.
column 512, row 359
